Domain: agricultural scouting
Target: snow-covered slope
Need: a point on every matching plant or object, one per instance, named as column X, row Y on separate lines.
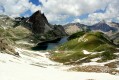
column 34, row 65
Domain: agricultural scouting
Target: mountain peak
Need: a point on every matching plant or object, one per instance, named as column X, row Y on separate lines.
column 39, row 22
column 38, row 12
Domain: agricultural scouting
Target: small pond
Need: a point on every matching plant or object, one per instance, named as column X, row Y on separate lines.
column 50, row 45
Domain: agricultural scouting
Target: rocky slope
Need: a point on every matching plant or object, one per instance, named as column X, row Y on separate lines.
column 75, row 27
column 6, row 22
column 6, row 47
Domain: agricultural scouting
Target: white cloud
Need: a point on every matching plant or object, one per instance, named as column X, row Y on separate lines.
column 112, row 12
column 62, row 11
column 35, row 8
column 76, row 20
column 17, row 7
column 71, row 8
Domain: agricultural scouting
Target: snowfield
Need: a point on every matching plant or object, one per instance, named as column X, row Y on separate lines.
column 34, row 65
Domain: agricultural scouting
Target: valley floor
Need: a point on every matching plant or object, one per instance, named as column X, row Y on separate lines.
column 34, row 65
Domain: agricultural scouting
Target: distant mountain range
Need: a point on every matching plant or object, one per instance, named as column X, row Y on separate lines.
column 101, row 26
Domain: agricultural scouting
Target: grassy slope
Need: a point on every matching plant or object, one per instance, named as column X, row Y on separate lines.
column 93, row 42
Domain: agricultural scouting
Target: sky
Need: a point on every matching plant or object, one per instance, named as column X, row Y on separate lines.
column 64, row 11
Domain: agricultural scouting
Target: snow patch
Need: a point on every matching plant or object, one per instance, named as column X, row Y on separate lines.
column 86, row 52
column 82, row 39
column 95, row 59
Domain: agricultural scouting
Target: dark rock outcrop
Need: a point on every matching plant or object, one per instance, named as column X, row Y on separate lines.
column 59, row 30
column 39, row 23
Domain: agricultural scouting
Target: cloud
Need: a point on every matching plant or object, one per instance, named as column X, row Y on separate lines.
column 111, row 14
column 17, row 7
column 63, row 11
column 71, row 8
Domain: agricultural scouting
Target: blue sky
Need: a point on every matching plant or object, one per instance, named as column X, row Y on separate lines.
column 36, row 2
column 28, row 12
column 64, row 11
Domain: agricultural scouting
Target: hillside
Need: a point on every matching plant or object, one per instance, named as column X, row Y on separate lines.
column 6, row 21
column 88, row 46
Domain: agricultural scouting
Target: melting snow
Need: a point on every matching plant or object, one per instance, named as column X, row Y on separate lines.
column 22, row 68
column 86, row 52
column 95, row 59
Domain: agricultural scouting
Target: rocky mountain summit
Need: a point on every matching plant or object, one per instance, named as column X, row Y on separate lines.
column 39, row 23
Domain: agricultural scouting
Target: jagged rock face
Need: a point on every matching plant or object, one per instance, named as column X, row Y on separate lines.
column 39, row 23
column 59, row 30
column 103, row 26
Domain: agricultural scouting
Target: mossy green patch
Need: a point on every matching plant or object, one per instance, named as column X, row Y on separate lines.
column 67, row 56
